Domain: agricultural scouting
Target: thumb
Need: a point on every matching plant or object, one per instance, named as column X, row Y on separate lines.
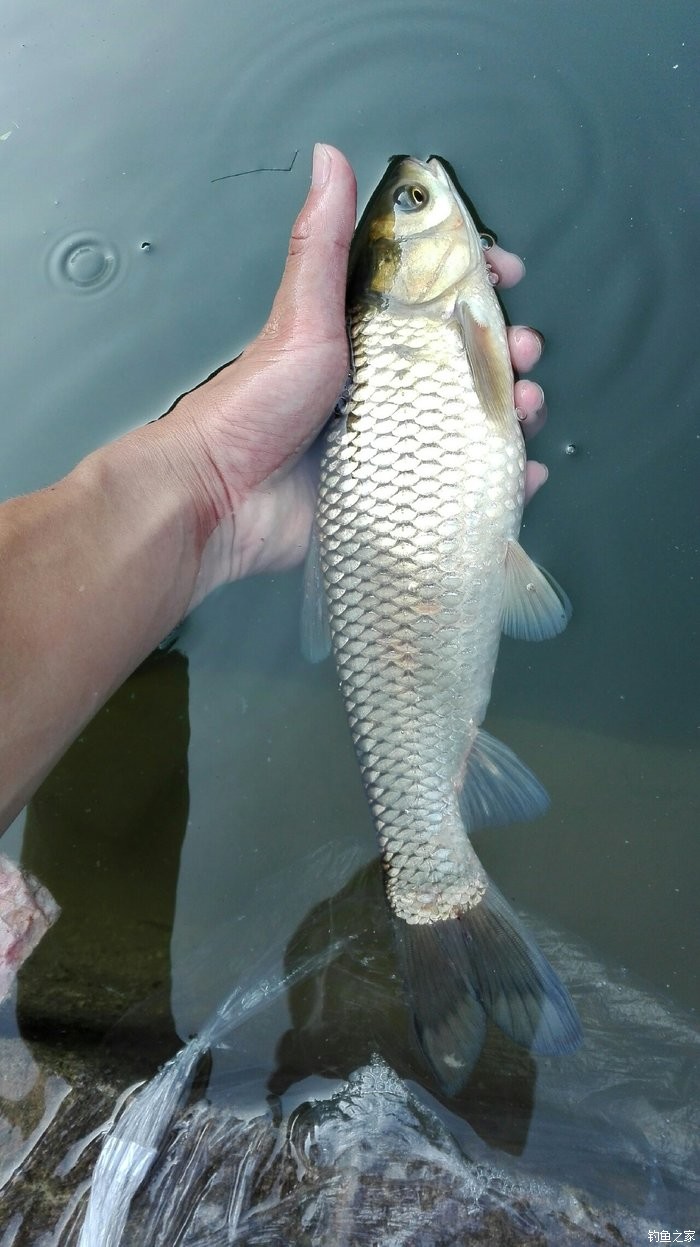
column 309, row 308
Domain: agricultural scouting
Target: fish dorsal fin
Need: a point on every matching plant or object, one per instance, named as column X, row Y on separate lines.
column 315, row 625
column 535, row 607
column 486, row 348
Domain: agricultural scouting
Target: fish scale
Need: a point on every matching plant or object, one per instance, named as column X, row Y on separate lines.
column 414, row 579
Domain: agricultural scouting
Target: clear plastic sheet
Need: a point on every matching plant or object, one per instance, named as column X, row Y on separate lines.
column 132, row 1145
column 609, row 1151
column 340, row 1137
column 371, row 1164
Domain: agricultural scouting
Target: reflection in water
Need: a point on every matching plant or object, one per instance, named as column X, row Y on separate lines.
column 371, row 1164
column 133, row 1145
column 358, row 1008
column 104, row 834
column 219, row 1146
column 372, row 1159
column 607, row 251
column 553, row 1148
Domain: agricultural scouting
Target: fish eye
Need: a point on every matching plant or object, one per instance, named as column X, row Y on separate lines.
column 410, row 198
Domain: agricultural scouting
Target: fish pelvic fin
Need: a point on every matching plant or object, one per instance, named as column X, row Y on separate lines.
column 535, row 607
column 482, row 965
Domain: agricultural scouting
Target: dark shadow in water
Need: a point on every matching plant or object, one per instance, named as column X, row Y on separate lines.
column 354, row 1007
column 609, row 1154
column 104, row 834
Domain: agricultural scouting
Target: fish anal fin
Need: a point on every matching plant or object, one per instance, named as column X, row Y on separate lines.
column 482, row 964
column 315, row 624
column 497, row 787
column 486, row 349
column 535, row 607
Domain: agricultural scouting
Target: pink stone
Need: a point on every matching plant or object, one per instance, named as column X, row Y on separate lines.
column 27, row 910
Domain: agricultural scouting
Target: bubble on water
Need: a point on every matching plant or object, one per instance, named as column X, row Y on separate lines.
column 571, row 448
column 83, row 263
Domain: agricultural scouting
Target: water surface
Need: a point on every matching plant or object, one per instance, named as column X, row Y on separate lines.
column 129, row 272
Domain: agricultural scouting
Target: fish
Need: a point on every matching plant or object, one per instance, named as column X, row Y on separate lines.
column 414, row 572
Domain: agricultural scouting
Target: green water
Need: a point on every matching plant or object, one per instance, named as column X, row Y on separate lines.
column 573, row 128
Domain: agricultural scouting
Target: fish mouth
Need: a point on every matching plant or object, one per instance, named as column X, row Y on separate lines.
column 434, row 166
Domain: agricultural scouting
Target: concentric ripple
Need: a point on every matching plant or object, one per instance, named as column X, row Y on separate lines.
column 83, row 263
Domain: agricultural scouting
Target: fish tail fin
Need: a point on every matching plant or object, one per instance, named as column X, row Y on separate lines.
column 481, row 964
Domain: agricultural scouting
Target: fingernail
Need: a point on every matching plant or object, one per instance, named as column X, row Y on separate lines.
column 321, row 166
column 543, row 340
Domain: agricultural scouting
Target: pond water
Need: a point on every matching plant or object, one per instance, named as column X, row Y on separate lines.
column 133, row 265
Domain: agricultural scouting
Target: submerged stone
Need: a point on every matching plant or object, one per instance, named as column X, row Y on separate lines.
column 331, row 1144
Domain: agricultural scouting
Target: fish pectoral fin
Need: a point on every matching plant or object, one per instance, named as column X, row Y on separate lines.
column 535, row 607
column 315, row 624
column 487, row 354
column 482, row 964
column 497, row 787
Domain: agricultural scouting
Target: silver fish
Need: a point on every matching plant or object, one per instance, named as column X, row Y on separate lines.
column 414, row 572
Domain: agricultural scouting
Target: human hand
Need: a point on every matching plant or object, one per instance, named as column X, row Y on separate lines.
column 248, row 428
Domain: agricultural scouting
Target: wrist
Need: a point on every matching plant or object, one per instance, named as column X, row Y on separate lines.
column 208, row 500
column 139, row 490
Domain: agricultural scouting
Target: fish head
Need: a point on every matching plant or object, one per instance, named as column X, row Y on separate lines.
column 416, row 242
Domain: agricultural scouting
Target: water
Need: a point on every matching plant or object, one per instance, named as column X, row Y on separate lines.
column 129, row 273
column 556, row 1152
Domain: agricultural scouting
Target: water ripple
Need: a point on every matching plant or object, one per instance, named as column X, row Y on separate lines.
column 453, row 85
column 83, row 263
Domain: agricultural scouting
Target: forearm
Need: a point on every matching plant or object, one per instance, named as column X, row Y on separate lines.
column 95, row 571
